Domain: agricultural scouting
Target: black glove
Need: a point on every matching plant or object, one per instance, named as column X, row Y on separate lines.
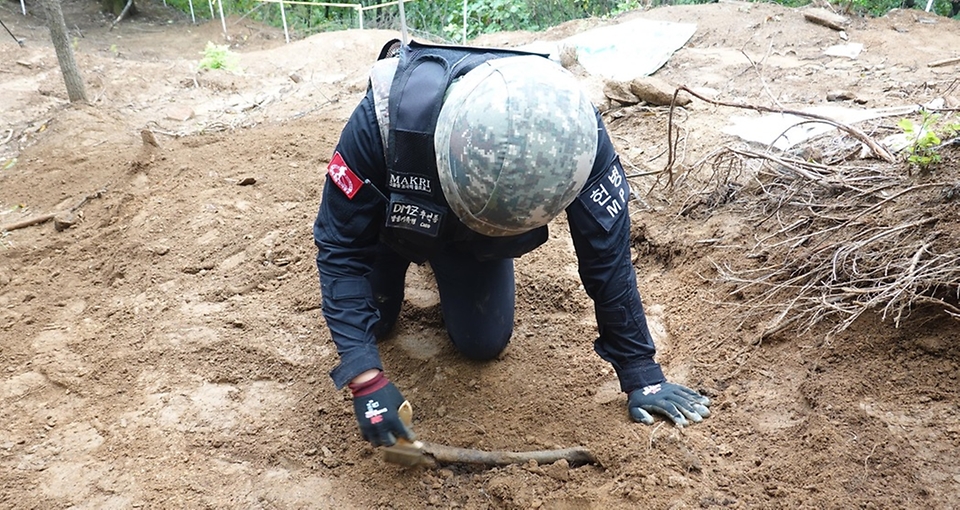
column 376, row 402
column 674, row 401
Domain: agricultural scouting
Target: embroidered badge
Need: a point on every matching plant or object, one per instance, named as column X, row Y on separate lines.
column 408, row 182
column 343, row 177
column 411, row 215
column 607, row 198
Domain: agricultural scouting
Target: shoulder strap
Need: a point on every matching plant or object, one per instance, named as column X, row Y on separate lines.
column 381, row 78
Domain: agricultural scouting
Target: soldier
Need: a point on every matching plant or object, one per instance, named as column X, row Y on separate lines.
column 459, row 157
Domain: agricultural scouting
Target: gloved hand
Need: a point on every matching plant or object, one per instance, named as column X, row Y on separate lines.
column 375, row 403
column 674, row 401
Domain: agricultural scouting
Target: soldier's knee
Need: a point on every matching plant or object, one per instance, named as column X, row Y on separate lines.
column 478, row 348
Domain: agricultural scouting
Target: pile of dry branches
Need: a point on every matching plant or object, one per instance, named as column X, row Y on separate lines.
column 834, row 240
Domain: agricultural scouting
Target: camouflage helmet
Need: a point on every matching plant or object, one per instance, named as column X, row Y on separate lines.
column 515, row 143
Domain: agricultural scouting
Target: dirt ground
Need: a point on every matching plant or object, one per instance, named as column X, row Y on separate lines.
column 168, row 350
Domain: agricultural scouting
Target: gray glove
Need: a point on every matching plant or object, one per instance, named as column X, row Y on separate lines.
column 674, row 401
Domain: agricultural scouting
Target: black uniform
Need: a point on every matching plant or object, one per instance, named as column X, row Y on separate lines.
column 362, row 270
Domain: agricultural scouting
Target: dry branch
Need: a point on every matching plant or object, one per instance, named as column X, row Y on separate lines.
column 944, row 62
column 856, row 133
column 825, row 18
column 43, row 218
column 849, row 239
column 444, row 454
column 122, row 14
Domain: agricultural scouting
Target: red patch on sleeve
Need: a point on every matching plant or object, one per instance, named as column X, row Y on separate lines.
column 343, row 177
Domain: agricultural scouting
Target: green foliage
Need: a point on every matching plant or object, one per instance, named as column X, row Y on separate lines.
column 115, row 7
column 924, row 141
column 486, row 16
column 443, row 19
column 636, row 5
column 880, row 7
column 217, row 56
column 627, row 5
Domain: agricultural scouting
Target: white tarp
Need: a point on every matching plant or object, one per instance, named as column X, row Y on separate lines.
column 784, row 131
column 626, row 51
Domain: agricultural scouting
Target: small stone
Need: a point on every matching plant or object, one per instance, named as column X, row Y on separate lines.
column 179, row 113
column 247, row 181
column 657, row 92
column 64, row 221
column 559, row 470
column 619, row 91
column 840, row 95
column 148, row 138
column 568, row 56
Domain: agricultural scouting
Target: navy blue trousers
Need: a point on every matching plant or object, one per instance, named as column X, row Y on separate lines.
column 477, row 298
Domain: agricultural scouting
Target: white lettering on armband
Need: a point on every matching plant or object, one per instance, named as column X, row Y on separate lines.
column 608, row 197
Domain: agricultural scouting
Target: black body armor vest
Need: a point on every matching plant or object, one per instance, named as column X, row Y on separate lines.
column 418, row 220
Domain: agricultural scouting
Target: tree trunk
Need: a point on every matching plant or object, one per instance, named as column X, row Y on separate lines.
column 61, row 43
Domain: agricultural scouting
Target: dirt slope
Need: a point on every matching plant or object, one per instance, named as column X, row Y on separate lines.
column 168, row 350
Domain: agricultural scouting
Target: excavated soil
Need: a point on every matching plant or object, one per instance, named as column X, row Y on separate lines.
column 168, row 351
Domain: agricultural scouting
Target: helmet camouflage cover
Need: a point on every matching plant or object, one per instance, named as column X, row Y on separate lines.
column 515, row 143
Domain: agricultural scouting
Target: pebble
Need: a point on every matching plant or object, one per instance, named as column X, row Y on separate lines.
column 840, row 95
column 559, row 470
column 64, row 221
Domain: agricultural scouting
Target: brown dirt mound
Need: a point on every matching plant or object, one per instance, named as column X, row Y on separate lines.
column 168, row 350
